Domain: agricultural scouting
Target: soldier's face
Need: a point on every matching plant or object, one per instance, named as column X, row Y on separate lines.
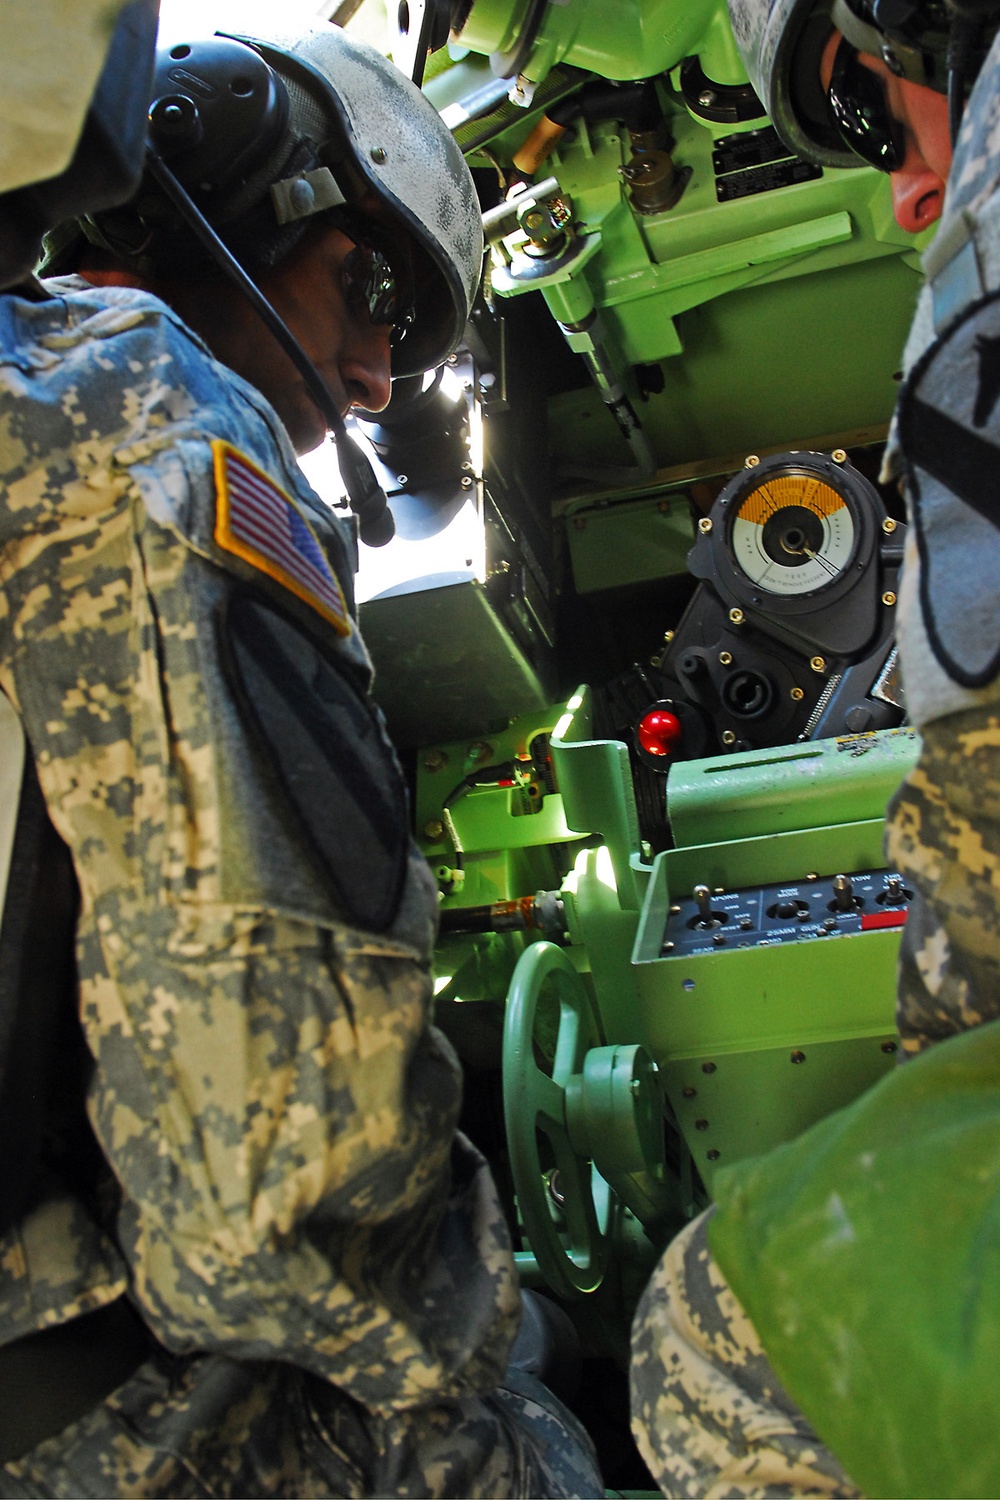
column 921, row 114
column 310, row 292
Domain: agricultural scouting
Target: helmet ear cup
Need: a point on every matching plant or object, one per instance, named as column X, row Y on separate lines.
column 218, row 111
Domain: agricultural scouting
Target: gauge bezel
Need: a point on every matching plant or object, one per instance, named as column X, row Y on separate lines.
column 865, row 509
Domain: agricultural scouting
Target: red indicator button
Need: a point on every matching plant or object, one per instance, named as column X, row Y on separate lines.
column 872, row 919
column 660, row 732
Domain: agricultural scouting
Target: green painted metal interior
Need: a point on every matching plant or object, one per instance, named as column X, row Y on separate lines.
column 772, row 321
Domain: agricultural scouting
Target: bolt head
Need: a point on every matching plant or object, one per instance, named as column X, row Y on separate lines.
column 378, row 155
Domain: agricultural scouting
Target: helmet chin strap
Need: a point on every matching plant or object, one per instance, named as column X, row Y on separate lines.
column 368, row 501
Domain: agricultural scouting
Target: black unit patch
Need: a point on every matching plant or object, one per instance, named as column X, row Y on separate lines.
column 330, row 753
column 949, row 427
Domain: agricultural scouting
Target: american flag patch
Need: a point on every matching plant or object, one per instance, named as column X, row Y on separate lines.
column 257, row 521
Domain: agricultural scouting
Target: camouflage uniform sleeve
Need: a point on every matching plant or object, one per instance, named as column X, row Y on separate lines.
column 278, row 1111
column 709, row 1414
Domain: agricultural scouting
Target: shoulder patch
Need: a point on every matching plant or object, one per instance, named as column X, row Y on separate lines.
column 258, row 522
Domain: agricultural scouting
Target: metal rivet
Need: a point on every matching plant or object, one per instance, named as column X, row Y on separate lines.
column 713, row 1155
column 689, row 1092
column 701, row 1124
column 378, row 154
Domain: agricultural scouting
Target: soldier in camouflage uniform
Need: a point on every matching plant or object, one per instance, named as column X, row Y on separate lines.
column 282, row 1272
column 709, row 1412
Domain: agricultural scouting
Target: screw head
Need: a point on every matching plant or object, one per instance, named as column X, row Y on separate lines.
column 701, row 1124
column 378, row 155
column 888, row 598
column 839, row 456
column 797, row 694
column 751, row 461
column 705, row 525
column 818, row 663
column 725, row 658
column 728, row 737
column 736, row 617
column 888, row 526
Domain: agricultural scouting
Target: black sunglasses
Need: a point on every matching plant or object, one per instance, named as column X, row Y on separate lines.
column 376, row 276
column 861, row 111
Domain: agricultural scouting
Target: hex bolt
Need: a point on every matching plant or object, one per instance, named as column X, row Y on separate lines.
column 434, row 830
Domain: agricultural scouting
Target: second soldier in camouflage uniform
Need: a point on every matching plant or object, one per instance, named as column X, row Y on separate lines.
column 710, row 1414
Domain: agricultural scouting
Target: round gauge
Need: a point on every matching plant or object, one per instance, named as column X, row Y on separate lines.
column 792, row 534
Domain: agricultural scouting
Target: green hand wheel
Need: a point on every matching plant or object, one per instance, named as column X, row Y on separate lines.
column 559, row 1193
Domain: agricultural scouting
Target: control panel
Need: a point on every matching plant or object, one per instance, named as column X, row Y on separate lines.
column 815, row 907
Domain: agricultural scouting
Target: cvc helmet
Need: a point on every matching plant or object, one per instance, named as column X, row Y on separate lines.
column 266, row 132
column 781, row 42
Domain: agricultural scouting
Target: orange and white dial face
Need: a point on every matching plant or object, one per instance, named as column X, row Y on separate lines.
column 794, row 534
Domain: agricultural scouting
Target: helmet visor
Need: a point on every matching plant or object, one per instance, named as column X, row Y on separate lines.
column 861, row 111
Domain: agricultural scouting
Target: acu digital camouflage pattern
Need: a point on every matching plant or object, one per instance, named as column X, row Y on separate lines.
column 277, row 1110
column 709, row 1414
column 219, row 1426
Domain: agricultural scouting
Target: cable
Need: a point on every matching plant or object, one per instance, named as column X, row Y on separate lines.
column 368, row 500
